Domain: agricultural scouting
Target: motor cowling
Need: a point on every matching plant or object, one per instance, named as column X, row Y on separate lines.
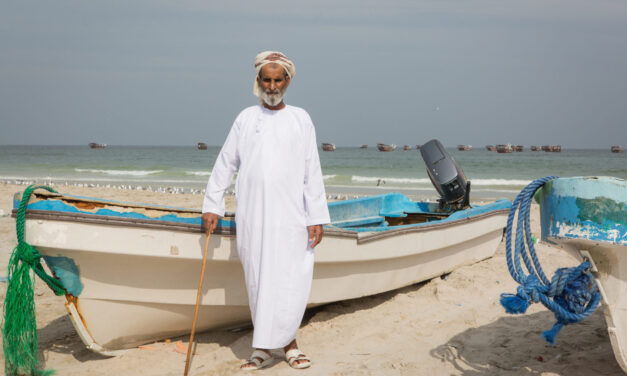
column 446, row 175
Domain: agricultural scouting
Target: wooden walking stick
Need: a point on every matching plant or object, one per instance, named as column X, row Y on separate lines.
column 202, row 277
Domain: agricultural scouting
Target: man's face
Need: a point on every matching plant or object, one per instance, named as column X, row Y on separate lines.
column 273, row 83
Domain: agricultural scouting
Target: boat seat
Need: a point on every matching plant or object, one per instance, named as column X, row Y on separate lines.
column 357, row 222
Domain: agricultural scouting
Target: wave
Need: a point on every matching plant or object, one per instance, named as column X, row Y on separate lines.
column 119, row 172
column 327, row 177
column 198, row 173
column 474, row 182
column 375, row 179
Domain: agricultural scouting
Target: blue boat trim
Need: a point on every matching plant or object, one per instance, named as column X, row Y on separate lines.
column 367, row 214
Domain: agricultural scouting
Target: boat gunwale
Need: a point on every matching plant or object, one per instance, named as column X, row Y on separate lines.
column 361, row 237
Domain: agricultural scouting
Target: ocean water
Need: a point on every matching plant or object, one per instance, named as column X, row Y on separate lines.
column 347, row 170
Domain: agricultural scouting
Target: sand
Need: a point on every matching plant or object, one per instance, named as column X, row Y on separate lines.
column 446, row 326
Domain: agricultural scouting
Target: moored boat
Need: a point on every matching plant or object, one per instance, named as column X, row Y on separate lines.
column 556, row 148
column 201, row 146
column 519, row 148
column 363, row 146
column 328, row 146
column 587, row 217
column 94, row 145
column 386, row 147
column 129, row 269
column 407, row 147
column 535, row 148
column 616, row 149
column 504, row 148
column 464, row 147
column 490, row 148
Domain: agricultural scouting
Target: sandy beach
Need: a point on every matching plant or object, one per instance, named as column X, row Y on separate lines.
column 450, row 325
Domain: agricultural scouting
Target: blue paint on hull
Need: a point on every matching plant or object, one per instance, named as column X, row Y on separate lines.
column 592, row 208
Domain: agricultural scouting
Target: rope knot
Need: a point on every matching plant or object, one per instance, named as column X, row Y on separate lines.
column 28, row 255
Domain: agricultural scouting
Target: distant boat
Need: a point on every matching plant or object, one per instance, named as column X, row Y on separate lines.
column 94, row 145
column 202, row 146
column 406, row 147
column 364, row 146
column 556, row 148
column 519, row 148
column 418, row 147
column 546, row 148
column 490, row 148
column 535, row 148
column 464, row 147
column 616, row 149
column 504, row 148
column 386, row 147
column 327, row 146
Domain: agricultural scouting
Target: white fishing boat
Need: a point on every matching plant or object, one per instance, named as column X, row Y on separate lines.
column 131, row 270
column 587, row 216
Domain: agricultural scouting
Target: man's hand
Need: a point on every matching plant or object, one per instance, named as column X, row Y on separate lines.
column 315, row 235
column 209, row 222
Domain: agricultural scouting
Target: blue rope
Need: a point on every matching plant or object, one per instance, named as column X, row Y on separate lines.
column 572, row 293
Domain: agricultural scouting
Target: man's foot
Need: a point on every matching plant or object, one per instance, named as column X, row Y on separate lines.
column 296, row 359
column 258, row 360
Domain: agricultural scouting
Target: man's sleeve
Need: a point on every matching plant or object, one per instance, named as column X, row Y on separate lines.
column 315, row 196
column 222, row 174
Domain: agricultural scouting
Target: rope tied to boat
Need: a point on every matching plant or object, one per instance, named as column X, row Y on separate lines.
column 571, row 294
column 19, row 329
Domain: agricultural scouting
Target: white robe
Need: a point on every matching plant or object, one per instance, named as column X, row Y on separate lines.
column 279, row 192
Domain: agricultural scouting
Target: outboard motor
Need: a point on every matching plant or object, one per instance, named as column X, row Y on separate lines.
column 446, row 176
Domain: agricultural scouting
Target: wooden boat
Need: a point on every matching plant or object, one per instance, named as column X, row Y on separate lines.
column 546, row 148
column 504, row 148
column 587, row 216
column 464, row 147
column 202, row 146
column 616, row 149
column 519, row 148
column 327, row 146
column 94, row 145
column 556, row 148
column 386, row 147
column 133, row 269
column 535, row 148
column 418, row 147
column 407, row 147
column 490, row 148
column 363, row 146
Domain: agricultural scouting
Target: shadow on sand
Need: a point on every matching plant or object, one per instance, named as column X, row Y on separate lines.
column 514, row 346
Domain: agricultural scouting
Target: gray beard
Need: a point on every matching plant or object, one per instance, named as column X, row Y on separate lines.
column 272, row 99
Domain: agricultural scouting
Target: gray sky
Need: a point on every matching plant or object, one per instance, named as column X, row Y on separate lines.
column 403, row 72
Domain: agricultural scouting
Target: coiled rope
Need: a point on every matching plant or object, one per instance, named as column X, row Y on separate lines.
column 572, row 293
column 19, row 329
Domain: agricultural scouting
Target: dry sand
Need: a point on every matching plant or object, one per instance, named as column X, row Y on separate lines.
column 445, row 326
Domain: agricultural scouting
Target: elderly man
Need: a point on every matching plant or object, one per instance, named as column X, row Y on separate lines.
column 281, row 207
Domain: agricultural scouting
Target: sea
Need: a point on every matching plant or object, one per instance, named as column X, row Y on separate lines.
column 348, row 171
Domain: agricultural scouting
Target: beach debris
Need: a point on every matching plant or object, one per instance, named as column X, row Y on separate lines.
column 179, row 347
column 540, row 358
column 143, row 347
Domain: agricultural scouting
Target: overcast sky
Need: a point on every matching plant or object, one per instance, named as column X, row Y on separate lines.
column 403, row 72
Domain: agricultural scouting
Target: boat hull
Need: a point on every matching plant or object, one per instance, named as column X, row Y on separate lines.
column 588, row 218
column 139, row 279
